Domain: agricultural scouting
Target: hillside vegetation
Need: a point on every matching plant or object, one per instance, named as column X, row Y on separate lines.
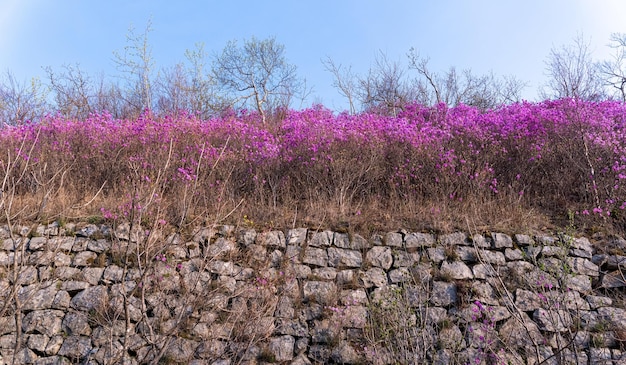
column 520, row 167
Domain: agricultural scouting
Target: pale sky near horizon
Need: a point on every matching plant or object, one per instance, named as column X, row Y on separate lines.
column 506, row 37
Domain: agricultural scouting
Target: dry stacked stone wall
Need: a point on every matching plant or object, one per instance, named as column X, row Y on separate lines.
column 92, row 294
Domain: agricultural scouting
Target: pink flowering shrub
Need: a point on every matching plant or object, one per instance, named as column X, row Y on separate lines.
column 552, row 157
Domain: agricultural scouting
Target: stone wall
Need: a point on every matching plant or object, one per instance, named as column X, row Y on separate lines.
column 95, row 295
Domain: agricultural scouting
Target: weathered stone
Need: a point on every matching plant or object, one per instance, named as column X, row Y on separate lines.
column 436, row 254
column 344, row 353
column 609, row 262
column 315, row 256
column 76, row 347
column 62, row 259
column 38, row 296
column 181, row 350
column 74, row 286
column 342, row 240
column 417, row 240
column 484, row 271
column 47, row 322
column 613, row 279
column 615, row 316
column 37, row 243
column 322, row 292
column 454, row 239
column 400, row 275
column 296, row 236
column 341, row 258
column 527, row 301
column 113, row 274
column 552, row 320
column 583, row 266
column 37, row 342
column 393, row 239
column 520, row 333
column 7, row 325
column 379, row 256
column 92, row 275
column 321, row 239
column 456, row 270
column 324, row 273
column 374, row 277
column 61, row 243
column 282, row 347
column 501, row 240
column 513, row 254
column 443, row 293
column 99, row 245
column 274, row 239
column 94, row 297
column 492, row 257
column 596, row 301
column 54, row 345
column 451, row 338
column 293, row 327
column 478, row 240
column 76, row 323
column 579, row 283
column 484, row 293
column 403, row 258
column 222, row 248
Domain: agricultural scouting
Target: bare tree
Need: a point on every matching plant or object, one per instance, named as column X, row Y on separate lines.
column 136, row 63
column 614, row 69
column 572, row 73
column 72, row 91
column 21, row 101
column 256, row 74
column 453, row 88
column 385, row 88
column 343, row 80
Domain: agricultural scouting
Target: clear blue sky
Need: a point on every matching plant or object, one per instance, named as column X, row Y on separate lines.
column 510, row 37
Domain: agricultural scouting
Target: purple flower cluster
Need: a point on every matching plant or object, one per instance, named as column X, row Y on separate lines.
column 563, row 154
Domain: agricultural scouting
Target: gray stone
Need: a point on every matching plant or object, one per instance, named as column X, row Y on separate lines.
column 294, row 327
column 400, row 275
column 181, row 350
column 273, row 239
column 613, row 279
column 342, row 240
column 436, row 254
column 62, row 259
column 344, row 353
column 513, row 254
column 492, row 257
column 456, row 270
column 7, row 325
column 37, row 342
column 343, row 258
column 38, row 296
column 596, row 301
column 443, row 294
column 615, row 316
column 418, row 240
column 552, row 320
column 403, row 258
column 282, row 347
column 92, row 275
column 527, row 301
column 322, row 292
column 321, row 239
column 484, row 271
column 520, row 333
column 374, row 277
column 37, row 243
column 359, row 243
column 379, row 256
column 61, row 300
column 47, row 322
column 501, row 240
column 76, row 347
column 454, row 239
column 113, row 274
column 73, row 286
column 94, row 297
column 54, row 345
column 76, row 323
column 66, row 273
column 98, row 246
column 315, row 256
column 296, row 236
column 583, row 266
column 324, row 273
column 393, row 239
column 222, row 248
column 480, row 241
